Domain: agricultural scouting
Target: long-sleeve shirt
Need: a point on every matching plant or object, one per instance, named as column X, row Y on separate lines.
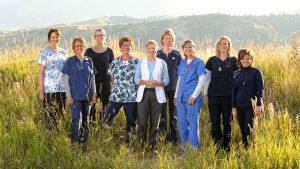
column 151, row 65
column 248, row 84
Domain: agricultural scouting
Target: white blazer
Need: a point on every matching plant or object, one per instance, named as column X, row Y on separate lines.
column 157, row 75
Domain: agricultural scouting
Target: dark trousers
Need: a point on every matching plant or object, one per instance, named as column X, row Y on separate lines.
column 220, row 106
column 149, row 106
column 113, row 109
column 172, row 134
column 80, row 114
column 54, row 105
column 245, row 118
column 103, row 89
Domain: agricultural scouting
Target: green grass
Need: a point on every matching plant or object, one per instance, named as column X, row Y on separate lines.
column 25, row 143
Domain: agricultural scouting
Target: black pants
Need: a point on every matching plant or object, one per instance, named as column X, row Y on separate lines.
column 113, row 109
column 220, row 106
column 149, row 106
column 172, row 134
column 103, row 89
column 54, row 105
column 245, row 117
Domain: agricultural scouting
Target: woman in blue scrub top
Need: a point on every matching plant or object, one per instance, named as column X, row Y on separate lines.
column 191, row 76
column 80, row 89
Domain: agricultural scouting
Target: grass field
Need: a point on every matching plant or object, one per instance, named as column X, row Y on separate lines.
column 25, row 143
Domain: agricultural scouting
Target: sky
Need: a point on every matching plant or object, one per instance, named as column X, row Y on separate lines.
column 17, row 14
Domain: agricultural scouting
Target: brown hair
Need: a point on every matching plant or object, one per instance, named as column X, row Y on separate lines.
column 229, row 45
column 55, row 30
column 169, row 32
column 188, row 42
column 242, row 53
column 78, row 39
column 125, row 39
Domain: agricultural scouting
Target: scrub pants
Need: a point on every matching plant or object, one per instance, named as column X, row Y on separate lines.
column 103, row 89
column 188, row 122
column 80, row 114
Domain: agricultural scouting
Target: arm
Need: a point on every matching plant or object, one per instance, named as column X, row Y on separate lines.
column 165, row 77
column 94, row 98
column 41, row 81
column 260, row 91
column 176, row 91
column 68, row 91
column 207, row 81
column 199, row 86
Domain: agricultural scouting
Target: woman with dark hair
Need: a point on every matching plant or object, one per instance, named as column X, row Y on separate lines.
column 124, row 90
column 248, row 87
column 102, row 56
column 51, row 86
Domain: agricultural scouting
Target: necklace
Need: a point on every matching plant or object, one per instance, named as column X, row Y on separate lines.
column 227, row 64
column 188, row 66
column 245, row 76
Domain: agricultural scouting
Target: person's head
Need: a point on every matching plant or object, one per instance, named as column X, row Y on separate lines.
column 188, row 47
column 100, row 35
column 151, row 47
column 245, row 58
column 223, row 45
column 125, row 44
column 78, row 46
column 54, row 36
column 168, row 38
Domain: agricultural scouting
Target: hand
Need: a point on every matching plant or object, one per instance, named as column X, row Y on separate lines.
column 205, row 99
column 257, row 111
column 70, row 101
column 175, row 102
column 94, row 100
column 234, row 113
column 112, row 80
column 42, row 96
column 191, row 100
column 152, row 83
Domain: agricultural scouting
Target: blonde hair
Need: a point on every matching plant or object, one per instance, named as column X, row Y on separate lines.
column 188, row 42
column 152, row 42
column 169, row 32
column 99, row 30
column 78, row 39
column 229, row 45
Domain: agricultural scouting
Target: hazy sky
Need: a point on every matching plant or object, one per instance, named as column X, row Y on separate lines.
column 16, row 14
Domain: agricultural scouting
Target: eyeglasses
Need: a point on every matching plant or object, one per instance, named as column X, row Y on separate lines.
column 79, row 46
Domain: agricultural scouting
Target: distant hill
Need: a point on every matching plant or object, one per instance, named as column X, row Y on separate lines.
column 202, row 28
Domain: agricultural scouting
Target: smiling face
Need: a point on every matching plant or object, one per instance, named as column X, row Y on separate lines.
column 168, row 41
column 126, row 48
column 79, row 48
column 151, row 49
column 100, row 36
column 223, row 46
column 54, row 39
column 189, row 50
column 246, row 61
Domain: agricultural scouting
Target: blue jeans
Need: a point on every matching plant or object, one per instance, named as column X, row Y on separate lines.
column 80, row 114
column 188, row 122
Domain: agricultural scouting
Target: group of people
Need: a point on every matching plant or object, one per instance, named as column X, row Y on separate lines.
column 151, row 88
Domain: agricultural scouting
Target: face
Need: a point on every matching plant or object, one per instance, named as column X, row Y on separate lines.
column 168, row 40
column 126, row 48
column 223, row 46
column 54, row 38
column 100, row 37
column 246, row 61
column 189, row 50
column 151, row 50
column 78, row 48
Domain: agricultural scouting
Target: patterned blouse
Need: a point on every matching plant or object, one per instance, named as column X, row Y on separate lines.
column 54, row 62
column 124, row 89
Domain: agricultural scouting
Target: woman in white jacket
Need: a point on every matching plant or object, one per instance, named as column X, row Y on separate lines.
column 151, row 76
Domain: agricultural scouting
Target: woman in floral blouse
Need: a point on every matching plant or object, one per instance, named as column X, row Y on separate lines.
column 51, row 86
column 124, row 90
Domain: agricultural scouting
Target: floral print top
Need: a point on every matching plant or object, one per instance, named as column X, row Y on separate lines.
column 54, row 62
column 124, row 89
